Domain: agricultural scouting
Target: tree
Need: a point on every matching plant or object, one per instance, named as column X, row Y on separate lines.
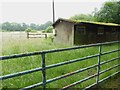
column 24, row 26
column 6, row 26
column 33, row 26
column 85, row 17
column 109, row 12
column 46, row 25
column 16, row 27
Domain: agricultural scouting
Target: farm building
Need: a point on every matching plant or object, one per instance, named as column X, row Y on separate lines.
column 75, row 32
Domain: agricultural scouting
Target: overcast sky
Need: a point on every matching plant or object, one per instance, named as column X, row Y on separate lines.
column 40, row 11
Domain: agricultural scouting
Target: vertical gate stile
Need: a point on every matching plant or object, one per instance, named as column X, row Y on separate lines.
column 43, row 71
column 98, row 68
column 118, row 54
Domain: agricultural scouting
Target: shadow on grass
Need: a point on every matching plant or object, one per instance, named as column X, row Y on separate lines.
column 112, row 83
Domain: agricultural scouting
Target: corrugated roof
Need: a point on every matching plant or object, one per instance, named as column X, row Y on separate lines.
column 81, row 21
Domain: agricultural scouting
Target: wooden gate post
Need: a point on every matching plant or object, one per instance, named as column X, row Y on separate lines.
column 27, row 34
column 45, row 35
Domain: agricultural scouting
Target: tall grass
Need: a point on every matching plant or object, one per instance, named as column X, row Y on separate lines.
column 23, row 45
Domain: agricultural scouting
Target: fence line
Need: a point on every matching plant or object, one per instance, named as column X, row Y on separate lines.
column 36, row 35
column 44, row 67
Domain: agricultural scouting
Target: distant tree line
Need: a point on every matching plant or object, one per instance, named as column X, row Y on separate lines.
column 109, row 13
column 7, row 26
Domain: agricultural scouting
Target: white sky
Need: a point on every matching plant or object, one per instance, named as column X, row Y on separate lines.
column 40, row 11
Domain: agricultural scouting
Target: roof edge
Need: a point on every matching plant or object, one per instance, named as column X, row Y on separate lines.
column 63, row 19
column 82, row 21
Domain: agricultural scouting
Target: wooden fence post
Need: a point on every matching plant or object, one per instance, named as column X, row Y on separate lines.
column 45, row 35
column 27, row 34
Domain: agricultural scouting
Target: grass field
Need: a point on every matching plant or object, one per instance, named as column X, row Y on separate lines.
column 15, row 43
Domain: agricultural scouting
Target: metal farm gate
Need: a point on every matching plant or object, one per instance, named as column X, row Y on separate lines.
column 45, row 67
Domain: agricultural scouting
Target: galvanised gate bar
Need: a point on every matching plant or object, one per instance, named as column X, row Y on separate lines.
column 45, row 67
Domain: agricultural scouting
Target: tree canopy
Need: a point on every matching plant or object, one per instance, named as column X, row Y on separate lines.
column 109, row 12
column 85, row 17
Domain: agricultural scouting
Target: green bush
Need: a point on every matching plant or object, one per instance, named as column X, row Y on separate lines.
column 48, row 30
column 30, row 30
